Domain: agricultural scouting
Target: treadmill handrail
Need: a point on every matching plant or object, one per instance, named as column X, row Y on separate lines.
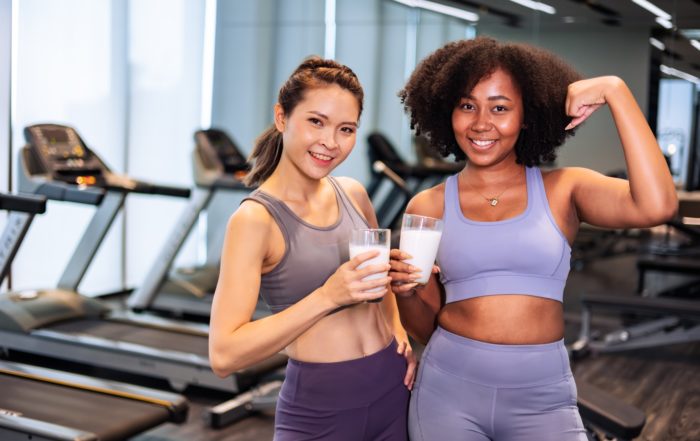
column 127, row 184
column 26, row 203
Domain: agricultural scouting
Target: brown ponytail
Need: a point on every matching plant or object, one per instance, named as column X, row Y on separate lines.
column 313, row 72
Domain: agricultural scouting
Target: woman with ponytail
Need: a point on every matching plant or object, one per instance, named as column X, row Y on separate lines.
column 351, row 366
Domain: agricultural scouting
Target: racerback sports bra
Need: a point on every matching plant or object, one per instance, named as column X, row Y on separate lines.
column 312, row 254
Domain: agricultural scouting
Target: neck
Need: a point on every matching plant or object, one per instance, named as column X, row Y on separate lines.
column 288, row 183
column 489, row 176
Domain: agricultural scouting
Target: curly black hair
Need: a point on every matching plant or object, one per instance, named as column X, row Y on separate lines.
column 442, row 78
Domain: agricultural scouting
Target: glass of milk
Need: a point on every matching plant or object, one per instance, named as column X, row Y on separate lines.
column 371, row 239
column 420, row 237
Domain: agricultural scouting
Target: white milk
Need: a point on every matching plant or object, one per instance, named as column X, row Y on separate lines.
column 382, row 258
column 423, row 246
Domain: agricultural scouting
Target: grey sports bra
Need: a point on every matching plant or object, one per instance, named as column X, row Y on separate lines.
column 312, row 254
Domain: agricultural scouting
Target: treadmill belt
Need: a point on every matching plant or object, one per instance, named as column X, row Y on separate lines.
column 109, row 417
column 132, row 333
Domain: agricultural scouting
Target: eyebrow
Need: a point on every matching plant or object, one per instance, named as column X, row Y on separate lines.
column 325, row 117
column 491, row 98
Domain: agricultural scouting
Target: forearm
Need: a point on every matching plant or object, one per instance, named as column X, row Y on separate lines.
column 258, row 340
column 417, row 317
column 651, row 185
column 391, row 314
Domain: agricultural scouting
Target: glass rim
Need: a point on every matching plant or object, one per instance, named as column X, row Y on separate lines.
column 422, row 216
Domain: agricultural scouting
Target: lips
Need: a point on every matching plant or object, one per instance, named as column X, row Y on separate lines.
column 482, row 144
column 321, row 158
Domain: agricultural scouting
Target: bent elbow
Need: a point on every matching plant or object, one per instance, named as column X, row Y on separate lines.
column 219, row 368
column 665, row 211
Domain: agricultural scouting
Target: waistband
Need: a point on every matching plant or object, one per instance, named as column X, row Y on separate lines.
column 497, row 365
column 546, row 287
column 344, row 384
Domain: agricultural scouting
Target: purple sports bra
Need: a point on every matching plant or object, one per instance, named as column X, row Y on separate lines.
column 526, row 254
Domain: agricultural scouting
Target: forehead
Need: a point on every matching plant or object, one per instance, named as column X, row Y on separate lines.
column 331, row 100
column 498, row 82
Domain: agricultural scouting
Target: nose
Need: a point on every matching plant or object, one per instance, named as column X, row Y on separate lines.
column 482, row 122
column 328, row 140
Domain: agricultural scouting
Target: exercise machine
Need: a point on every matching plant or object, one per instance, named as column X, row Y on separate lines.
column 429, row 171
column 62, row 324
column 670, row 317
column 45, row 404
column 218, row 166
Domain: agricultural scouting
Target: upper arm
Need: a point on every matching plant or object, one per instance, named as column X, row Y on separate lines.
column 430, row 202
column 604, row 201
column 244, row 251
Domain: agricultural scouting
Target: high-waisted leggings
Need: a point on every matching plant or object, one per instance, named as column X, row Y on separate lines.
column 469, row 390
column 357, row 400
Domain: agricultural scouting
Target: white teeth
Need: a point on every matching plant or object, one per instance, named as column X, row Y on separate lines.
column 321, row 157
column 483, row 143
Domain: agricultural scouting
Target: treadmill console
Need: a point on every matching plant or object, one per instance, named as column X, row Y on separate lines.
column 226, row 151
column 59, row 152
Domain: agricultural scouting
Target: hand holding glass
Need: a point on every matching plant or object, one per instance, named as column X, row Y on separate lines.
column 420, row 237
column 369, row 239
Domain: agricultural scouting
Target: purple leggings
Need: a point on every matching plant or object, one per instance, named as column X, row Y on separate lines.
column 354, row 400
column 469, row 390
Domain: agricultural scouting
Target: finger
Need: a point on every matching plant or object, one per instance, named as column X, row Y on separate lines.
column 365, row 296
column 403, row 278
column 402, row 288
column 367, row 285
column 362, row 257
column 381, row 268
column 399, row 255
column 401, row 347
column 436, row 269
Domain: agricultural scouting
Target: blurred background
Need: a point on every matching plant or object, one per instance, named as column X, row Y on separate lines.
column 137, row 78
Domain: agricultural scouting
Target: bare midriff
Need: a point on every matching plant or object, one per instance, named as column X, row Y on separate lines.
column 510, row 319
column 348, row 334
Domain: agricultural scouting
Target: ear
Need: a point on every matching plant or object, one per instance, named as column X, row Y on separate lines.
column 280, row 119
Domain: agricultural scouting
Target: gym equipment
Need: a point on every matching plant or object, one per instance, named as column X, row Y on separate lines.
column 71, row 407
column 606, row 417
column 218, row 165
column 671, row 317
column 62, row 324
column 428, row 172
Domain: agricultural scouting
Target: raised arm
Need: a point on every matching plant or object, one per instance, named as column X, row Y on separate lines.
column 649, row 197
column 234, row 341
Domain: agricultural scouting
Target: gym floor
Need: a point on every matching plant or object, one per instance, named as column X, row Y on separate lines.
column 663, row 381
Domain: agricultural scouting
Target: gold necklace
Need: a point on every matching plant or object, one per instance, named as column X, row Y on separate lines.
column 493, row 201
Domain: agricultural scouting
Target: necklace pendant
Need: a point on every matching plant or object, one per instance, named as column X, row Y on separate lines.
column 493, row 202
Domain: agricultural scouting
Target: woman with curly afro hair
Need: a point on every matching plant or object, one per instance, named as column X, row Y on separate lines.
column 495, row 367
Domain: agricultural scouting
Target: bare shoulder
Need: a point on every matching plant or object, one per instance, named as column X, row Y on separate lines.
column 250, row 218
column 429, row 202
column 353, row 188
column 566, row 179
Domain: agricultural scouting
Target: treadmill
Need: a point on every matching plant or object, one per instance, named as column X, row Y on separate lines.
column 218, row 165
column 45, row 404
column 65, row 325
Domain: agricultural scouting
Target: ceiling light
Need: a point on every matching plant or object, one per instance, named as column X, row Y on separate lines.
column 657, row 44
column 695, row 44
column 537, row 6
column 649, row 6
column 440, row 8
column 665, row 23
column 679, row 74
